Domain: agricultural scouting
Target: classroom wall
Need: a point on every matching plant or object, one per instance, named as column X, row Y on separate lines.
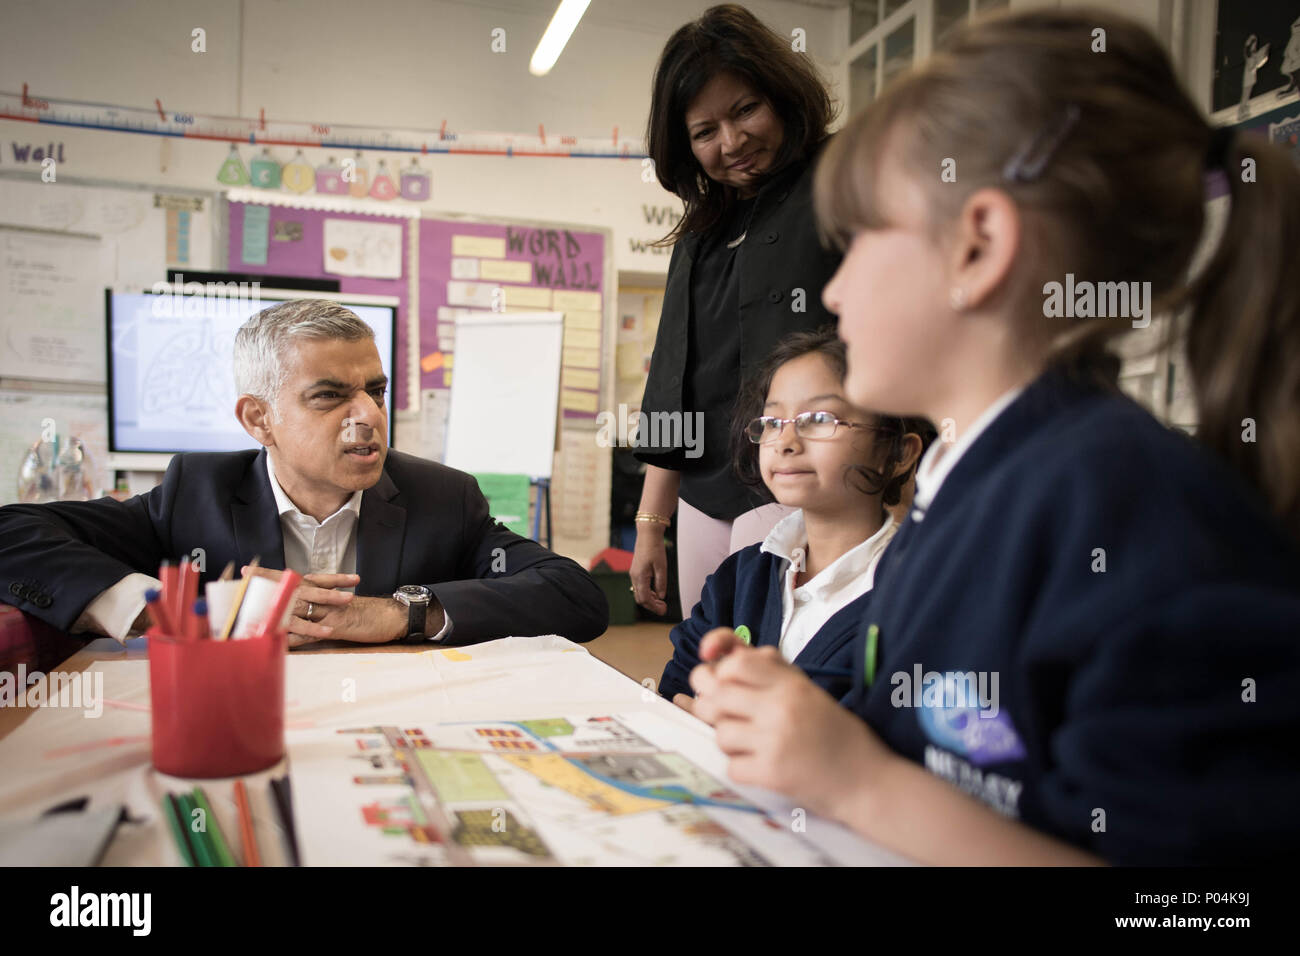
column 408, row 64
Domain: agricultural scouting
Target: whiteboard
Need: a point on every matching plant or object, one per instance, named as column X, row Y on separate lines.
column 505, row 393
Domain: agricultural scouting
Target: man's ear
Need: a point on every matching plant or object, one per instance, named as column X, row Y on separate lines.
column 988, row 239
column 255, row 415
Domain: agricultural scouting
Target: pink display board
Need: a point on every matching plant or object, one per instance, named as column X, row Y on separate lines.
column 467, row 265
column 305, row 257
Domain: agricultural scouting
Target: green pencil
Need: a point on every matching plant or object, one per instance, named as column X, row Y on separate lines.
column 171, row 811
column 202, row 846
column 223, row 854
column 873, row 636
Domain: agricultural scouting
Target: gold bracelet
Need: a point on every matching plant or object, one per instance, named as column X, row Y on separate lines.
column 650, row 516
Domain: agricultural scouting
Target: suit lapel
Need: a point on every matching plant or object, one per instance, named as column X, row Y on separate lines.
column 255, row 518
column 381, row 528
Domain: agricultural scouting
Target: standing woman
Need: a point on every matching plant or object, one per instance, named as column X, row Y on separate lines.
column 736, row 118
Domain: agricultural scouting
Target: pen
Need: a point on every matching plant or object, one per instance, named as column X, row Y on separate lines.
column 157, row 604
column 873, row 638
column 198, row 622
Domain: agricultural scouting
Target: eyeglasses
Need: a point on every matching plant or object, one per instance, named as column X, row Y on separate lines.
column 811, row 425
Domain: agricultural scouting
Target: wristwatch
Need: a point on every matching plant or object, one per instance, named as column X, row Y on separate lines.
column 416, row 598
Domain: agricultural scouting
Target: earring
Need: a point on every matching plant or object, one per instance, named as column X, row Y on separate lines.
column 957, row 298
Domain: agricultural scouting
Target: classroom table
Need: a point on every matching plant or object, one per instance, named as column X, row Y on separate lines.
column 51, row 754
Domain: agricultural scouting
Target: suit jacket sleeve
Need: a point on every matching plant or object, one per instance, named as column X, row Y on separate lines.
column 56, row 558
column 512, row 586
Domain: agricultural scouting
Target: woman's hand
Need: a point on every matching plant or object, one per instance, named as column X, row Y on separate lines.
column 781, row 731
column 649, row 571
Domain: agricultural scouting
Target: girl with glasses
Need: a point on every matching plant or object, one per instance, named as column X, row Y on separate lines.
column 804, row 590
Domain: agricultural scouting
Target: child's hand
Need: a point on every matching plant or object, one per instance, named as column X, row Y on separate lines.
column 685, row 701
column 783, row 732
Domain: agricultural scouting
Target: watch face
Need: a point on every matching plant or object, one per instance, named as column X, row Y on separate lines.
column 414, row 592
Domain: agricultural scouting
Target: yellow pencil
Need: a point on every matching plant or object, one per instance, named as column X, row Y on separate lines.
column 239, row 599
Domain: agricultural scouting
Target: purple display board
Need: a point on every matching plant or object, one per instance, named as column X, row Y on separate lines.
column 487, row 267
column 302, row 253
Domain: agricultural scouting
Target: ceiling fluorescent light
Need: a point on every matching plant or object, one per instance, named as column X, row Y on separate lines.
column 557, row 34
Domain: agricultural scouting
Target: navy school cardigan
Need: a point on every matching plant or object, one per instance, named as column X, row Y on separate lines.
column 1139, row 609
column 746, row 589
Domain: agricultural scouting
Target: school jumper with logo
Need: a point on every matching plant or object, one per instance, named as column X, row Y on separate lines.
column 1094, row 628
column 814, row 625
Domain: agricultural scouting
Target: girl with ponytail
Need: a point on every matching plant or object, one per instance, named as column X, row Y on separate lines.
column 1084, row 641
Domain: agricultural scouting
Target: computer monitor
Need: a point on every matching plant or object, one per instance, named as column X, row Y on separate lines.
column 171, row 385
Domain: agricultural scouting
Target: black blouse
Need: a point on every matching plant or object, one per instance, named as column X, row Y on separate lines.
column 724, row 311
column 712, row 377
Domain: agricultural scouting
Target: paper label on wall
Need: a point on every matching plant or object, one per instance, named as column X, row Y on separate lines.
column 476, row 294
column 582, row 358
column 506, row 270
column 582, row 320
column 577, row 401
column 567, row 300
column 356, row 248
column 526, row 296
column 581, row 339
column 580, row 378
column 434, row 404
column 256, row 234
column 629, row 361
column 478, row 246
column 465, row 269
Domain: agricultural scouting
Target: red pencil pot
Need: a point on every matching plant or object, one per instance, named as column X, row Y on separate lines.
column 218, row 706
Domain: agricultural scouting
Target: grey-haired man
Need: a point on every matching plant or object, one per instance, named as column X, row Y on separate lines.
column 392, row 547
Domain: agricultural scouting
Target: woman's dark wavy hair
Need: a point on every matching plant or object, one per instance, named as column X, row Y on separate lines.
column 753, row 396
column 729, row 39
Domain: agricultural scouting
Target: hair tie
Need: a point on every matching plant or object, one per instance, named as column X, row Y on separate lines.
column 1221, row 141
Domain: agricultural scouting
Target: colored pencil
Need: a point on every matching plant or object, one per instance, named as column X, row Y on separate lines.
column 219, row 845
column 198, row 838
column 239, row 599
column 172, row 812
column 189, row 591
column 247, row 834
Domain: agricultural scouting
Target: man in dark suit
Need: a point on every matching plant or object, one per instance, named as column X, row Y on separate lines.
column 391, row 547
